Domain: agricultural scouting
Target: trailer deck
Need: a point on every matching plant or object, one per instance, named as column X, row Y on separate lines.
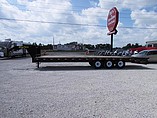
column 94, row 61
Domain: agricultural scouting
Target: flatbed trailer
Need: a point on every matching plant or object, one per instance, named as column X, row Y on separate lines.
column 94, row 61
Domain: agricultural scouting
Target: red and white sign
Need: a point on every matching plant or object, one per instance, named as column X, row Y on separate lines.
column 112, row 19
column 113, row 32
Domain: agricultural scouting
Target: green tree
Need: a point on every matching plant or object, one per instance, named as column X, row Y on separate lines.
column 89, row 46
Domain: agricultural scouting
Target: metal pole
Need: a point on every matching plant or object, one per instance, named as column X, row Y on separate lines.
column 53, row 42
column 111, row 43
column 38, row 64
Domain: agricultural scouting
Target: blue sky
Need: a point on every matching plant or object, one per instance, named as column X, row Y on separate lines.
column 67, row 20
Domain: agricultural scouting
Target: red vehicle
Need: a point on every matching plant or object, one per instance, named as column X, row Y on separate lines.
column 141, row 49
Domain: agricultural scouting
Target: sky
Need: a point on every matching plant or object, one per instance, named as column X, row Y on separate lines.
column 82, row 21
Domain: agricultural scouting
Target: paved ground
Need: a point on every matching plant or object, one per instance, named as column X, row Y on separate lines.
column 75, row 90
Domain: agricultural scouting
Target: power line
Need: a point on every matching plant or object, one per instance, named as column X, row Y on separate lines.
column 74, row 24
column 52, row 22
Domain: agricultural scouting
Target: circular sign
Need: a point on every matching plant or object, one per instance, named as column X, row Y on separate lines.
column 112, row 19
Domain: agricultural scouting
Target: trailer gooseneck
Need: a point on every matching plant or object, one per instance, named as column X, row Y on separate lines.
column 94, row 61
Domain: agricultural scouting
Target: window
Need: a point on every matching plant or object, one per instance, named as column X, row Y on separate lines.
column 143, row 52
column 149, row 45
column 152, row 53
column 155, row 45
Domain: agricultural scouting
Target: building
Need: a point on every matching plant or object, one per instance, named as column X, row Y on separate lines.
column 69, row 47
column 149, row 46
column 151, row 43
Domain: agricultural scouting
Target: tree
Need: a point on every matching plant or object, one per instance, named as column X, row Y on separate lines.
column 103, row 46
column 129, row 45
column 89, row 46
column 35, row 44
column 72, row 43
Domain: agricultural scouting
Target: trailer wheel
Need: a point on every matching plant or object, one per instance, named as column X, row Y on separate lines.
column 97, row 64
column 108, row 64
column 120, row 64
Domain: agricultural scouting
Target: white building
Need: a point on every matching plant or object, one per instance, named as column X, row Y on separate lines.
column 151, row 44
column 67, row 47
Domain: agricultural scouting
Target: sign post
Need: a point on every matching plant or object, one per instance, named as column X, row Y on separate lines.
column 112, row 22
column 111, row 43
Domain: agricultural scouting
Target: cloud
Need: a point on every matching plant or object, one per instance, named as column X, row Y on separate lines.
column 138, row 4
column 144, row 18
column 64, row 23
column 127, row 4
column 34, row 11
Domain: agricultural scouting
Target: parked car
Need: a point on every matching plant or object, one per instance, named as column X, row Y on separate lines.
column 151, row 54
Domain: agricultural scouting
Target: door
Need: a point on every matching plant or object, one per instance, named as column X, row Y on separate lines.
column 152, row 56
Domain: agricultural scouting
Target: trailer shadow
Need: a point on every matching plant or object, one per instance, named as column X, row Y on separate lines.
column 15, row 58
column 80, row 68
column 137, row 67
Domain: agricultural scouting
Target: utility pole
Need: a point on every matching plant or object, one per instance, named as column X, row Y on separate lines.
column 53, row 42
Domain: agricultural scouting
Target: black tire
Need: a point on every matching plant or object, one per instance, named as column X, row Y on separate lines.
column 120, row 64
column 109, row 64
column 91, row 63
column 97, row 64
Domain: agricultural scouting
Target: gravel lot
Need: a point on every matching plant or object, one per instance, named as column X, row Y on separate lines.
column 75, row 90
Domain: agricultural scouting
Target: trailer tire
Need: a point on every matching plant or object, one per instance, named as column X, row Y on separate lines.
column 97, row 64
column 108, row 64
column 120, row 64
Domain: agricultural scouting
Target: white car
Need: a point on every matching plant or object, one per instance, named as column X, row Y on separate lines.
column 151, row 54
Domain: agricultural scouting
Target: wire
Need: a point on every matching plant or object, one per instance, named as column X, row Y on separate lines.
column 51, row 22
column 74, row 24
